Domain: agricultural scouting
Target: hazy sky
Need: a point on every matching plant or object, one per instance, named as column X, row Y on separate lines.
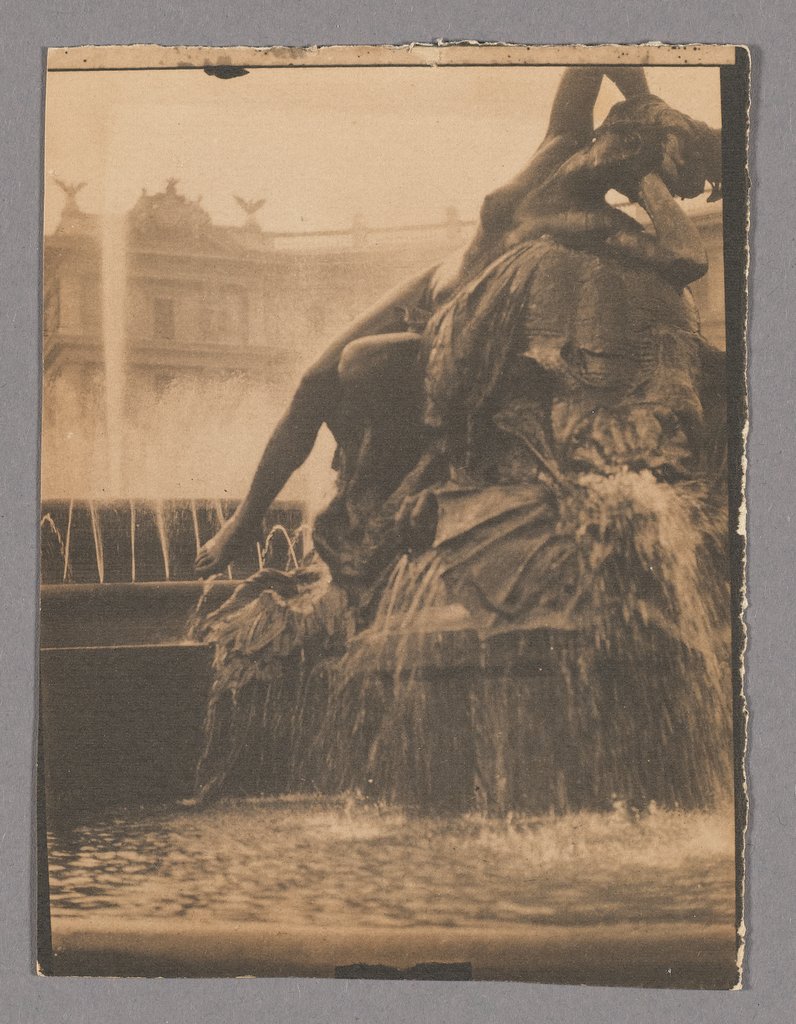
column 395, row 145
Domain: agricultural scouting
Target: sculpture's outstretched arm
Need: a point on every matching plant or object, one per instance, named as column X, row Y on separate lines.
column 675, row 248
column 572, row 112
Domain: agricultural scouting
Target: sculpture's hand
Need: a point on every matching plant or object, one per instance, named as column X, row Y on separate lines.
column 220, row 550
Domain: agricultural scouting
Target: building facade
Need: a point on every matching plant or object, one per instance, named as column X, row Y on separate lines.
column 206, row 324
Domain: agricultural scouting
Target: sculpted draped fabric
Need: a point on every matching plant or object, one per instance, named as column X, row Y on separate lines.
column 558, row 365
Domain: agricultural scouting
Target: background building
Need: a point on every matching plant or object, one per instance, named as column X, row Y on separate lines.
column 205, row 328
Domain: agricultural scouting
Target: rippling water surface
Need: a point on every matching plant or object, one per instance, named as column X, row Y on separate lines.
column 302, row 861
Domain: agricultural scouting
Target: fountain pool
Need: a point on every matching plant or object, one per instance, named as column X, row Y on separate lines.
column 300, row 885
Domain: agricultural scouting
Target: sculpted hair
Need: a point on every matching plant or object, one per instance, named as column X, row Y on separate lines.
column 699, row 144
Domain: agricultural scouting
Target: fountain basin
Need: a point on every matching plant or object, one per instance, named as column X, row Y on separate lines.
column 632, row 954
column 122, row 692
column 121, row 725
column 121, row 614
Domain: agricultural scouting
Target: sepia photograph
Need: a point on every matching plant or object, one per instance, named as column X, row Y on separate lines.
column 393, row 404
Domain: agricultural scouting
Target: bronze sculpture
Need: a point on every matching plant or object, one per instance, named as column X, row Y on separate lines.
column 519, row 437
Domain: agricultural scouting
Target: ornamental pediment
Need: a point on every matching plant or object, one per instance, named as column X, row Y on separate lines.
column 169, row 218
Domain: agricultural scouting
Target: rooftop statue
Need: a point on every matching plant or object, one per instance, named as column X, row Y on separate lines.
column 249, row 206
column 530, row 486
column 71, row 191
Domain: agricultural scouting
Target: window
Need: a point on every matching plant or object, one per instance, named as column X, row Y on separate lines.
column 163, row 319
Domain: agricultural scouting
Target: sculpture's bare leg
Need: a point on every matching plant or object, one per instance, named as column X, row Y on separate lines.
column 313, row 403
column 382, row 374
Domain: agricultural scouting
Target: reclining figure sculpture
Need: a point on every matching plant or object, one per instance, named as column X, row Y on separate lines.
column 518, row 597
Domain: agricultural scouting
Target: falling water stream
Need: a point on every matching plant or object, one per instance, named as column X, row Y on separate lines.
column 222, row 519
column 195, row 524
column 290, row 542
column 163, row 535
column 132, row 541
column 114, row 313
column 48, row 527
column 96, row 532
column 68, row 539
column 432, row 708
column 114, row 540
